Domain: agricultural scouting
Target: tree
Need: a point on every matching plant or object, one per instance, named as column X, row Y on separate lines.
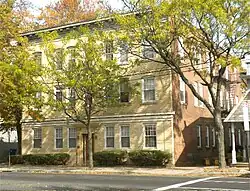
column 87, row 82
column 17, row 73
column 219, row 29
column 68, row 11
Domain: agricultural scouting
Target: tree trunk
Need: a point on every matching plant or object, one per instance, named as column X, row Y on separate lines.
column 18, row 118
column 221, row 141
column 19, row 137
column 90, row 152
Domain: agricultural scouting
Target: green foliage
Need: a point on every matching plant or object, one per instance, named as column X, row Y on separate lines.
column 149, row 157
column 85, row 70
column 41, row 159
column 138, row 158
column 110, row 158
column 18, row 72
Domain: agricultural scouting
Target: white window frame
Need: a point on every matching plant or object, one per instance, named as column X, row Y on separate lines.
column 145, row 135
column 55, row 137
column 199, row 136
column 213, row 137
column 37, row 136
column 109, row 50
column 109, row 136
column 143, row 89
column 180, row 47
column 71, row 58
column 124, row 136
column 70, row 137
column 207, row 136
column 58, row 89
column 200, row 90
column 182, row 90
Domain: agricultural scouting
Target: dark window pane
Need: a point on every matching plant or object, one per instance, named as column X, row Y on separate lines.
column 72, row 142
column 125, row 142
column 59, row 143
column 110, row 142
column 151, row 141
column 37, row 143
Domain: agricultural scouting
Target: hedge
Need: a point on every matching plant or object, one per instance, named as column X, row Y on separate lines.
column 41, row 159
column 110, row 158
column 149, row 157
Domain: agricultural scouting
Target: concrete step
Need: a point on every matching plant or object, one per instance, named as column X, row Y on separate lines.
column 241, row 165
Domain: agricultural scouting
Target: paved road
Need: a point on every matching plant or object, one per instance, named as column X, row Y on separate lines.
column 56, row 182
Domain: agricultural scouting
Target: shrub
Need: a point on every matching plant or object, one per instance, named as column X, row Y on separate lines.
column 41, row 159
column 110, row 158
column 149, row 157
column 16, row 159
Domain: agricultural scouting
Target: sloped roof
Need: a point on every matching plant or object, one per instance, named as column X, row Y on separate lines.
column 236, row 115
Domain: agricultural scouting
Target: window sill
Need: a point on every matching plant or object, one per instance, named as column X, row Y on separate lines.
column 199, row 147
column 150, row 148
column 149, row 102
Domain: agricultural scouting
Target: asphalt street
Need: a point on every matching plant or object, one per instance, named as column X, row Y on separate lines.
column 70, row 182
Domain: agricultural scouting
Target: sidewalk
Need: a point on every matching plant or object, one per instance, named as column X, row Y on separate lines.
column 169, row 171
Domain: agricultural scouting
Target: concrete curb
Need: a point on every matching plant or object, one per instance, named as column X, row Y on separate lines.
column 127, row 172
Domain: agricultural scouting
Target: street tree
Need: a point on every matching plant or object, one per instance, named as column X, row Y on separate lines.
column 68, row 11
column 203, row 37
column 86, row 79
column 18, row 72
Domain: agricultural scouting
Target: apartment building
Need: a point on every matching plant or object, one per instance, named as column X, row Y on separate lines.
column 163, row 115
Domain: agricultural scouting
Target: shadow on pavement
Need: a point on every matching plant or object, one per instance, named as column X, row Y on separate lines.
column 65, row 188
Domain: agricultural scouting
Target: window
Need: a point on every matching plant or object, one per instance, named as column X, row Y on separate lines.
column 124, row 90
column 239, row 137
column 125, row 136
column 148, row 51
column 59, row 59
column 38, row 95
column 207, row 137
column 180, row 47
column 123, row 53
column 59, row 137
column 248, row 68
column 148, row 92
column 182, row 91
column 109, row 50
column 236, row 99
column 72, row 96
column 197, row 58
column 58, row 93
column 37, row 138
column 72, row 54
column 198, row 136
column 72, row 137
column 150, row 135
column 213, row 138
column 199, row 88
column 38, row 58
column 110, row 138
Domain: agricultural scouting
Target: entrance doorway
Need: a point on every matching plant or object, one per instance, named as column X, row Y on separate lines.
column 85, row 147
